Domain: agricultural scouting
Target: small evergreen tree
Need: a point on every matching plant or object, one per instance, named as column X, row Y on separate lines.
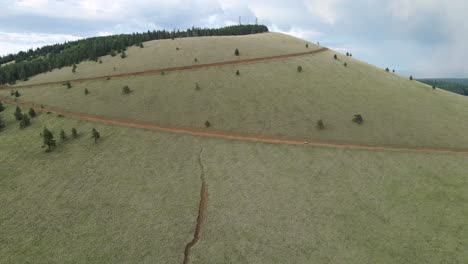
column 207, row 123
column 1, row 107
column 236, row 52
column 48, row 139
column 74, row 68
column 126, row 90
column 95, row 135
column 17, row 94
column 113, row 53
column 63, row 136
column 100, row 61
column 237, row 73
column 320, row 124
column 32, row 113
column 335, row 57
column 358, row 119
column 196, row 60
column 68, row 84
column 74, row 133
column 141, row 45
column 25, row 121
column 163, row 73
column 393, row 71
column 387, row 69
column 18, row 114
column 347, row 54
column 433, row 87
column 299, row 68
column 177, row 48
column 2, row 123
column 307, row 45
column 345, row 64
column 197, row 87
column 123, row 55
column 411, row 77
column 86, row 92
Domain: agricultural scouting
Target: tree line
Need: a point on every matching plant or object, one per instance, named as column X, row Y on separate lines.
column 47, row 58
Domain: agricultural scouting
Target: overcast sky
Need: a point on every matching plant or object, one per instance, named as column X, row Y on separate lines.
column 426, row 38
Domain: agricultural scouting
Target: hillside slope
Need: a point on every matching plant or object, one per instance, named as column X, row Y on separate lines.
column 268, row 98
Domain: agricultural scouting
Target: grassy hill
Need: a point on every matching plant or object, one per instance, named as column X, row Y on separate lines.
column 134, row 196
column 268, row 98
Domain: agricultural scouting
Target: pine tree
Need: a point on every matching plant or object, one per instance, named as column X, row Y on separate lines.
column 25, row 121
column 299, row 68
column 123, row 55
column 320, row 124
column 207, row 123
column 307, row 45
column 74, row 68
column 237, row 73
column 1, row 107
column 411, row 77
column 387, row 69
column 96, row 135
column 18, row 114
column 74, row 133
column 86, row 92
column 48, row 139
column 32, row 113
column 141, row 45
column 335, row 57
column 63, row 136
column 17, row 94
column 236, row 52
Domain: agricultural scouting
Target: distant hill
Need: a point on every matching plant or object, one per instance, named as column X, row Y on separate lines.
column 459, row 86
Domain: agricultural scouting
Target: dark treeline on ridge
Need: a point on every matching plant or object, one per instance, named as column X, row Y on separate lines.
column 50, row 57
column 459, row 86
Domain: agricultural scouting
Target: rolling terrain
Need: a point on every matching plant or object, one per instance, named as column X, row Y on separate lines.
column 246, row 189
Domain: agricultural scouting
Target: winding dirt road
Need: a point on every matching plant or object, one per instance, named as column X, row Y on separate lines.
column 224, row 135
column 181, row 68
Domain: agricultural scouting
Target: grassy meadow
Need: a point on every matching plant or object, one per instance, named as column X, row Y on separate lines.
column 159, row 54
column 133, row 198
column 273, row 99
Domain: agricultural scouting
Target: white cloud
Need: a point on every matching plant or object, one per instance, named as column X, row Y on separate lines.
column 15, row 42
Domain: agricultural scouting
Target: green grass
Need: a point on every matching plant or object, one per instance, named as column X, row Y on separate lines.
column 273, row 99
column 123, row 200
column 133, row 198
column 159, row 54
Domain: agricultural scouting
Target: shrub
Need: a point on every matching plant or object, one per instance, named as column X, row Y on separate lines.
column 177, row 48
column 2, row 123
column 347, row 54
column 60, row 116
column 358, row 119
column 197, row 87
column 335, row 57
column 25, row 121
column 17, row 94
column 299, row 68
column 236, row 52
column 207, row 123
column 100, row 61
column 18, row 115
column 123, row 55
column 163, row 73
column 237, row 73
column 433, row 87
column 307, row 45
column 141, row 45
column 86, row 92
column 126, row 90
column 411, row 77
column 196, row 60
column 320, row 124
column 387, row 69
column 32, row 113
column 74, row 133
column 113, row 53
column 1, row 107
column 95, row 135
column 68, row 84
column 345, row 64
column 63, row 136
column 393, row 71
column 74, row 68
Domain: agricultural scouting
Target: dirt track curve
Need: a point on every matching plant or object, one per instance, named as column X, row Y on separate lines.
column 223, row 135
column 182, row 68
